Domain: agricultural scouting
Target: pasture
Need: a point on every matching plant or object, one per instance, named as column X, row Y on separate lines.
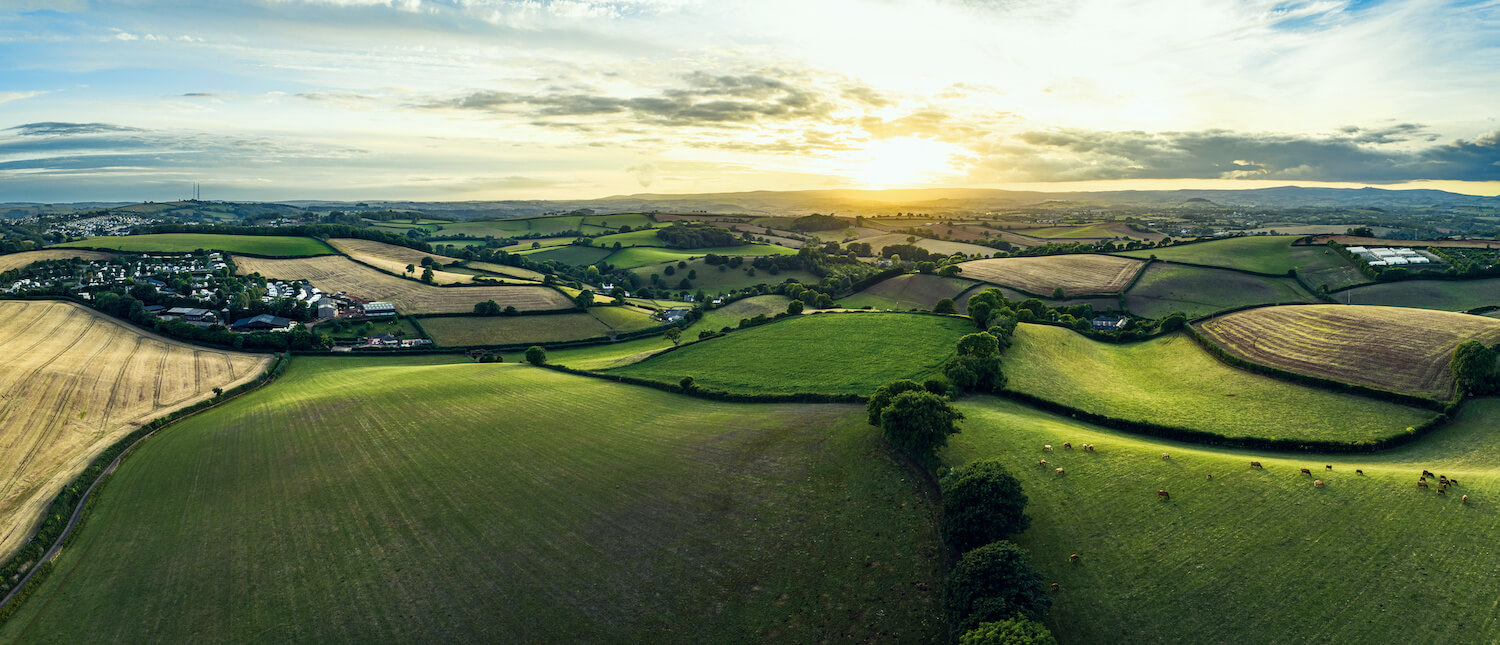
column 10, row 261
column 72, row 382
column 909, row 291
column 394, row 259
column 1195, row 291
column 1099, row 231
column 945, row 247
column 1172, row 381
column 645, row 237
column 1081, row 274
column 1264, row 254
column 1445, row 295
column 827, row 353
column 1251, row 554
column 338, row 274
column 1394, row 349
column 569, row 254
column 713, row 280
column 599, row 322
column 262, row 245
column 640, row 256
column 731, row 314
column 323, row 509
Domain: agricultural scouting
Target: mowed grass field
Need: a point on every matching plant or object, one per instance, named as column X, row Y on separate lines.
column 569, row 254
column 1264, row 254
column 1165, row 288
column 828, row 353
column 910, row 291
column 335, row 274
column 1081, row 274
column 266, row 245
column 17, row 260
column 519, row 505
column 1445, row 295
column 1172, row 381
column 1395, row 349
column 599, row 322
column 731, row 314
column 1252, row 555
column 1102, row 230
column 640, row 256
column 72, row 382
column 945, row 247
column 394, row 259
column 712, row 280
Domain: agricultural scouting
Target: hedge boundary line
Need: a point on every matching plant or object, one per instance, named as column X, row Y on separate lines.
column 1230, row 359
column 1188, row 435
column 66, row 511
column 714, row 395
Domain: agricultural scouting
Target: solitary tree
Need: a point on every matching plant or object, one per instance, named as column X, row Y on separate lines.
column 944, row 306
column 982, row 502
column 794, row 307
column 584, row 299
column 536, row 355
column 410, row 268
column 976, row 364
column 918, row 424
column 674, row 334
column 1057, row 293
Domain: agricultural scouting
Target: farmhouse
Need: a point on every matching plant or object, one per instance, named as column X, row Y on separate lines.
column 191, row 314
column 1105, row 323
column 263, row 322
column 375, row 309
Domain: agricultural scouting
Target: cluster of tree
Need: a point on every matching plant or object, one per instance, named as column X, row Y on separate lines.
column 992, row 592
column 1475, row 368
column 697, row 236
column 915, row 419
column 492, row 308
column 976, row 363
column 128, row 307
column 819, row 222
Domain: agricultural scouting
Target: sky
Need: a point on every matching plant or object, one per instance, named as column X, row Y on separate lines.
column 570, row 99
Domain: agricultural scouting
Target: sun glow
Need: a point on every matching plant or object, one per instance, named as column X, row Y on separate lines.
column 903, row 162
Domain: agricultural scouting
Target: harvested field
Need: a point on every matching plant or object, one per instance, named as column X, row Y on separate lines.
column 392, row 258
column 1083, row 274
column 335, row 274
column 599, row 322
column 1387, row 348
column 1196, row 291
column 71, row 383
column 17, row 260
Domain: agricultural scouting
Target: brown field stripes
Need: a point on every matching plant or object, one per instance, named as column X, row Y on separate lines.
column 114, row 388
column 15, row 354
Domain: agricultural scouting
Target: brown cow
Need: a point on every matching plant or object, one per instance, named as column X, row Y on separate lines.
column 1073, row 558
column 1210, row 475
column 1329, row 467
column 1059, row 471
column 1307, row 472
column 1421, row 483
column 1056, row 586
column 1163, row 494
column 1256, row 464
column 1358, row 471
column 1427, row 473
column 1465, row 500
column 1042, row 463
column 1318, row 483
column 1165, row 456
column 1068, row 445
column 1453, row 481
column 1442, row 491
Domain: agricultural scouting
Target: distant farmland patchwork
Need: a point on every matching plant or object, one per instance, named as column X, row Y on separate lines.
column 1386, row 348
column 72, row 382
column 17, row 260
column 910, row 291
column 264, row 245
column 395, row 259
column 599, row 322
column 336, row 274
column 1076, row 274
column 1165, row 288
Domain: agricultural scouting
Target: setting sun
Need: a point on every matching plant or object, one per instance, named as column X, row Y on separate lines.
column 903, row 162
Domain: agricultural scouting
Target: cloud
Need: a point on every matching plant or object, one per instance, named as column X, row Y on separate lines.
column 6, row 97
column 1351, row 155
column 58, row 128
column 645, row 174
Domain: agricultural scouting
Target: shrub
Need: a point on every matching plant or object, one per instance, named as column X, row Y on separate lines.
column 794, row 307
column 944, row 306
column 982, row 502
column 918, row 423
column 1012, row 631
column 536, row 355
column 881, row 398
column 993, row 583
column 687, row 384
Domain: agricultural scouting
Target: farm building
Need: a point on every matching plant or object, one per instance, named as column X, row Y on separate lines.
column 379, row 309
column 327, row 308
column 191, row 314
column 263, row 322
column 1106, row 323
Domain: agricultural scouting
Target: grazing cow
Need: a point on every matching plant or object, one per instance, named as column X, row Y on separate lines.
column 1256, row 464
column 1358, row 471
column 1427, row 473
column 1210, row 475
column 1042, row 463
column 1307, row 472
column 1056, row 586
column 1328, row 467
column 1318, row 483
column 1091, row 448
column 1465, row 500
column 1421, row 483
column 1059, row 471
column 1443, row 480
column 1165, row 456
column 1163, row 494
column 1442, row 491
column 1073, row 558
column 1453, row 481
column 1068, row 445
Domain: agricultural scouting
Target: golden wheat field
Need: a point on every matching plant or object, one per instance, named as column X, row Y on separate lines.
column 389, row 257
column 1076, row 274
column 1397, row 349
column 72, row 382
column 17, row 260
column 335, row 274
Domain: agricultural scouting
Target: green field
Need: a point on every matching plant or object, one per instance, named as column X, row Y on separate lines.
column 1447, row 295
column 712, row 280
column 263, row 245
column 1172, row 381
column 392, row 500
column 635, row 257
column 645, row 237
column 570, row 254
column 731, row 314
column 910, row 291
column 1252, row 555
column 828, row 353
column 1264, row 254
column 599, row 322
column 1165, row 288
column 349, row 331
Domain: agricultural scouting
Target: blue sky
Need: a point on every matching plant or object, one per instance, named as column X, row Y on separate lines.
column 494, row 99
